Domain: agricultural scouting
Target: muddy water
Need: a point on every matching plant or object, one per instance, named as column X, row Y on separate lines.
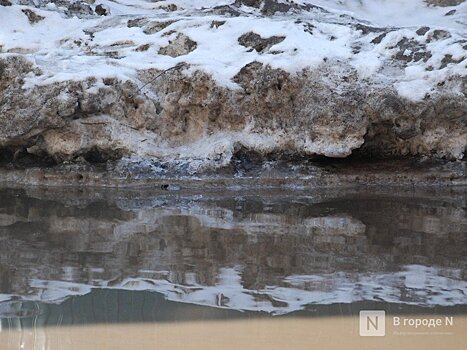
column 276, row 334
column 163, row 269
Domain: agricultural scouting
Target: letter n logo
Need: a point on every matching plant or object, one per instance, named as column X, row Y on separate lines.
column 372, row 323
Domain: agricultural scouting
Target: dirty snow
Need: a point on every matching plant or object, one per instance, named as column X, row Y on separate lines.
column 72, row 48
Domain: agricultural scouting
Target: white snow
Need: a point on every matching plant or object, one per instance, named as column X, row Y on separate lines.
column 76, row 48
column 396, row 13
column 412, row 285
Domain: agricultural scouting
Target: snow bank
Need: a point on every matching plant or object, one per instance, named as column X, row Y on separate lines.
column 67, row 47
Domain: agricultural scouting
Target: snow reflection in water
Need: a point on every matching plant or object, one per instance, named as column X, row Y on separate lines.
column 273, row 252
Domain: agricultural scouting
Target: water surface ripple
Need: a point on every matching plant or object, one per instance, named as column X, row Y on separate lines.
column 273, row 252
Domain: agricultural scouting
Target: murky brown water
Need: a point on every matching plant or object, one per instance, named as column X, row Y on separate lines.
column 81, row 268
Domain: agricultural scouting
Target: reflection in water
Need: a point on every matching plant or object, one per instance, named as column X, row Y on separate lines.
column 271, row 252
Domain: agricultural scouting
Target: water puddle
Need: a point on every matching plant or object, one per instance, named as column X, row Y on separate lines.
column 158, row 261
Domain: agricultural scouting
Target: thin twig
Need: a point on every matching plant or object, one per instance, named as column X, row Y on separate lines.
column 178, row 65
column 93, row 123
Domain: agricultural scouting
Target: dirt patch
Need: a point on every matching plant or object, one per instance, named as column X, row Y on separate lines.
column 256, row 42
column 33, row 17
column 444, row 3
column 181, row 45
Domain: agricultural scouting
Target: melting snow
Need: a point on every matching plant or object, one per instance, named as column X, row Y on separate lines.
column 71, row 48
